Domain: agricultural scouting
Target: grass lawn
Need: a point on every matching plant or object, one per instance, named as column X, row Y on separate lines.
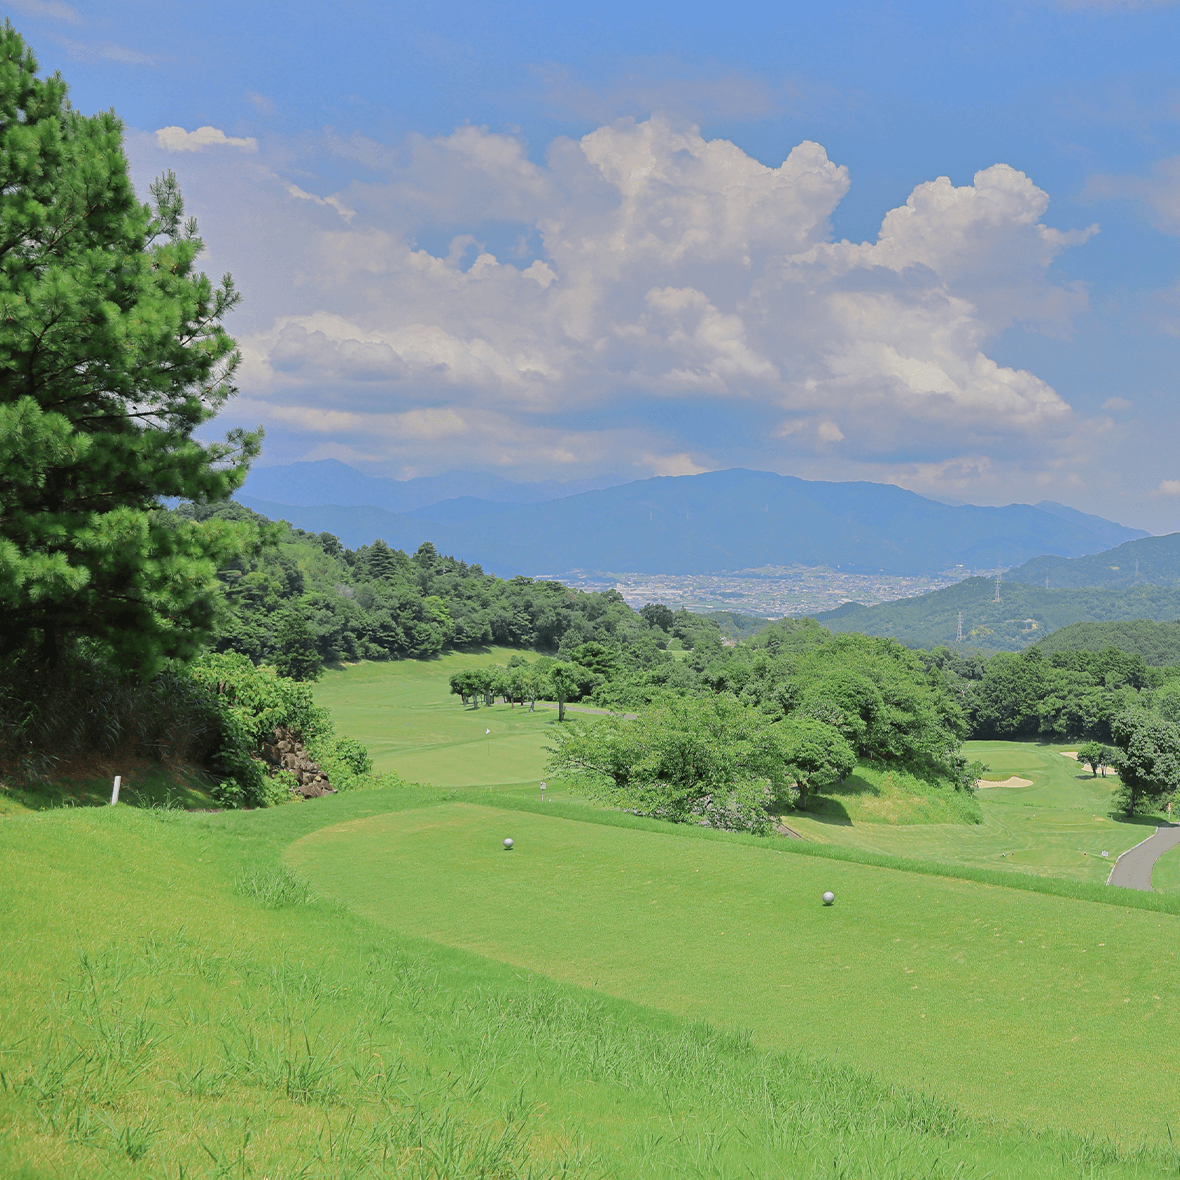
column 178, row 1006
column 1042, row 1009
column 87, row 782
column 1165, row 877
column 405, row 713
column 1057, row 827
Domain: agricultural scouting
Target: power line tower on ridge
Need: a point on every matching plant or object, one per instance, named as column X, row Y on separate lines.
column 997, row 597
column 960, row 636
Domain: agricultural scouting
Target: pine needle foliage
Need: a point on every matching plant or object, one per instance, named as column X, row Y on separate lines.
column 112, row 353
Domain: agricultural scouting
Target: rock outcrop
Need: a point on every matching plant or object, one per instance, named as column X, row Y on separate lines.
column 285, row 751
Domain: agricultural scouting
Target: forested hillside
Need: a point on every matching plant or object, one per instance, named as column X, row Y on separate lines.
column 304, row 596
column 1024, row 613
column 1158, row 643
column 1151, row 561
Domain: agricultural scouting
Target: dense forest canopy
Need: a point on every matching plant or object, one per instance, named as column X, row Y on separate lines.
column 1157, row 642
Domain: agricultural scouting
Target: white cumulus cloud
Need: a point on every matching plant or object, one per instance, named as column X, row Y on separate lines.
column 176, row 139
column 669, row 296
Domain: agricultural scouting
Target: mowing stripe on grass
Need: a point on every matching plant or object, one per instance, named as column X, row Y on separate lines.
column 1008, row 1002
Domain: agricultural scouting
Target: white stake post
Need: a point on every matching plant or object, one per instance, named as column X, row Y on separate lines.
column 542, row 792
column 115, row 790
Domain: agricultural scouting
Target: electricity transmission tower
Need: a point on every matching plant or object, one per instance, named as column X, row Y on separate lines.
column 960, row 636
column 997, row 597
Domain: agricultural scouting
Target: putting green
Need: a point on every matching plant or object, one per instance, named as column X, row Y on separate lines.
column 1014, row 1004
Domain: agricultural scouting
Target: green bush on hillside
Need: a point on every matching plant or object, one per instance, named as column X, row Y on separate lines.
column 712, row 760
column 250, row 703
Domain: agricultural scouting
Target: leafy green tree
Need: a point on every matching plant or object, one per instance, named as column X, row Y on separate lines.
column 657, row 615
column 568, row 681
column 297, row 657
column 464, row 686
column 600, row 659
column 1096, row 756
column 816, row 755
column 112, row 353
column 1148, row 759
column 1166, row 701
column 1006, row 702
column 564, row 679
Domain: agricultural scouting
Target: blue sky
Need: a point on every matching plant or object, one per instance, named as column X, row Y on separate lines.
column 554, row 241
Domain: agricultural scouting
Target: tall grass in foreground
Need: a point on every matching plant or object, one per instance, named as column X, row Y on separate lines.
column 175, row 1008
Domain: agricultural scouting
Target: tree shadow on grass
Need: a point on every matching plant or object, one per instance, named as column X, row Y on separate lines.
column 827, row 811
column 87, row 782
column 1143, row 820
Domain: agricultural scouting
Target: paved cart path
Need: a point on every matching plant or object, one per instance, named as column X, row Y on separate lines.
column 1132, row 870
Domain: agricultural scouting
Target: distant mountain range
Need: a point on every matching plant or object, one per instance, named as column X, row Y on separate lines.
column 711, row 523
column 328, row 481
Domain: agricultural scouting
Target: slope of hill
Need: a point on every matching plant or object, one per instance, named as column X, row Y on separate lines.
column 722, row 521
column 1158, row 643
column 1151, row 561
column 1023, row 615
column 1112, row 534
column 328, row 481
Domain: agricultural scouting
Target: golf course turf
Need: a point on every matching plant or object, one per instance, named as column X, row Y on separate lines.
column 370, row 984
column 1010, row 1003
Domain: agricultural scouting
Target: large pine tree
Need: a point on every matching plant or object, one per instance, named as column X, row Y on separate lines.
column 112, row 352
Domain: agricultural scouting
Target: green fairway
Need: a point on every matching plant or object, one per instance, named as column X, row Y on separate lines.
column 1028, row 1007
column 178, row 1006
column 1059, row 826
column 405, row 713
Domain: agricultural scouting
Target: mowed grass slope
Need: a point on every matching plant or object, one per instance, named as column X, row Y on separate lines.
column 405, row 713
column 177, row 1006
column 1030, row 1007
column 1058, row 827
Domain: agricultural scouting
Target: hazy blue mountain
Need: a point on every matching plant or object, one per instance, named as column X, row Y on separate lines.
column 455, row 511
column 328, row 481
column 1024, row 614
column 1112, row 534
column 1147, row 561
column 354, row 526
column 722, row 520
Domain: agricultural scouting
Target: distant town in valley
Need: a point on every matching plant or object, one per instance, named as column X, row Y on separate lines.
column 772, row 592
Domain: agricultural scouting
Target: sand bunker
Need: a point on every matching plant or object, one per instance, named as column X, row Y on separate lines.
column 1070, row 754
column 1014, row 781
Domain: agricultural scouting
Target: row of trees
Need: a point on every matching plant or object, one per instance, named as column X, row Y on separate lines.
column 521, row 682
column 794, row 718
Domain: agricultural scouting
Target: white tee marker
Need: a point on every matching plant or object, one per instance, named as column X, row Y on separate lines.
column 115, row 790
